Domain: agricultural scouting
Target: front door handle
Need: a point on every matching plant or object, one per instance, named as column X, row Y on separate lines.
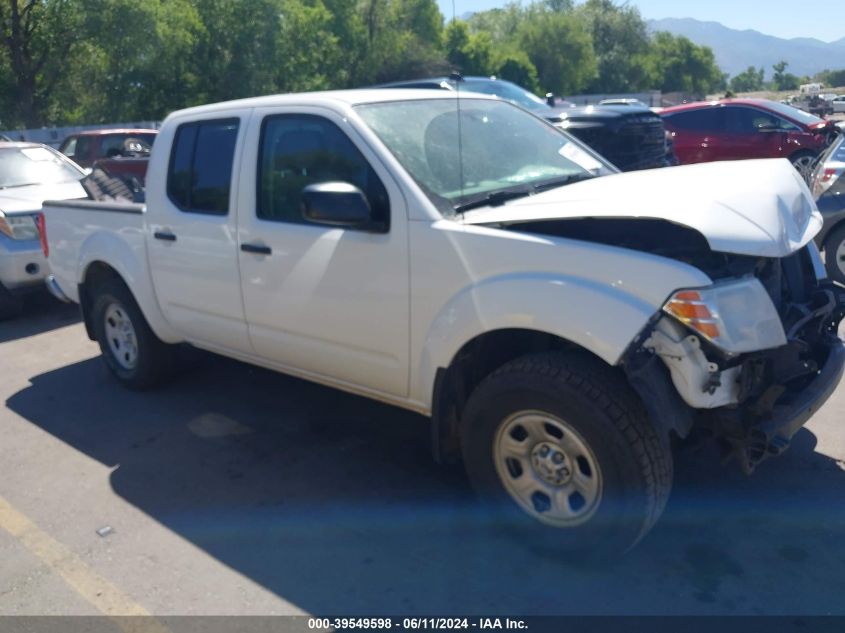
column 164, row 235
column 258, row 249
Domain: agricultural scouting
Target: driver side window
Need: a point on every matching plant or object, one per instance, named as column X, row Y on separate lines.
column 299, row 150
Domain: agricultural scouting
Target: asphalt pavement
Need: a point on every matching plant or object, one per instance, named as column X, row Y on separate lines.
column 236, row 490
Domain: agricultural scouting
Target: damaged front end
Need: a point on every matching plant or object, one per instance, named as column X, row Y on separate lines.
column 749, row 381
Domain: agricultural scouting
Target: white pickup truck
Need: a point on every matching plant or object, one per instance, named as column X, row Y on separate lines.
column 458, row 256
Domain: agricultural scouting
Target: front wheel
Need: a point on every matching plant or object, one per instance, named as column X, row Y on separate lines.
column 834, row 254
column 131, row 350
column 564, row 452
column 804, row 162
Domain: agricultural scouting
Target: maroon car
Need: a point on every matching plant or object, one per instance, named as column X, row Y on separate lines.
column 734, row 129
column 86, row 148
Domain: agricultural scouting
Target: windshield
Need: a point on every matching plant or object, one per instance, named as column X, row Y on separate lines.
column 503, row 148
column 794, row 113
column 507, row 91
column 21, row 166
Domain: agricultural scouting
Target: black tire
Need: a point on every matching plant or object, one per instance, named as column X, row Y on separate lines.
column 833, row 261
column 634, row 462
column 804, row 161
column 154, row 359
column 11, row 305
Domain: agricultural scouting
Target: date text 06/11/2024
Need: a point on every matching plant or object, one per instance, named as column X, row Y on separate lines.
column 346, row 624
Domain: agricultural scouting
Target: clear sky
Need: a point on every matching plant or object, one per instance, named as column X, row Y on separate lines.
column 822, row 19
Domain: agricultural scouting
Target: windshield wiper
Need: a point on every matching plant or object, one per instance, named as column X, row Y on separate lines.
column 560, row 182
column 494, row 198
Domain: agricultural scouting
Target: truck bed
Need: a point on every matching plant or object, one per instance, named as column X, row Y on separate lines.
column 116, row 228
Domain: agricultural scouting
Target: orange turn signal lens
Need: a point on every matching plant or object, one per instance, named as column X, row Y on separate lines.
column 689, row 308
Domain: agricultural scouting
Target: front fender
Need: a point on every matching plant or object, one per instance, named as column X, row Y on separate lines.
column 600, row 318
column 126, row 254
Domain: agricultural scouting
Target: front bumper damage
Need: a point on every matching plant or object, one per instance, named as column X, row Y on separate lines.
column 753, row 404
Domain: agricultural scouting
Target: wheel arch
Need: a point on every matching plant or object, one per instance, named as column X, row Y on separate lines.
column 97, row 271
column 827, row 231
column 475, row 360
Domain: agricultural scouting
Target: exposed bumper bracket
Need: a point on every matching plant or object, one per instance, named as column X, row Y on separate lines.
column 772, row 436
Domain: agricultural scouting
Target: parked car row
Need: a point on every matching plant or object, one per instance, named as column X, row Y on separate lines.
column 818, row 104
column 31, row 173
column 627, row 134
column 733, row 129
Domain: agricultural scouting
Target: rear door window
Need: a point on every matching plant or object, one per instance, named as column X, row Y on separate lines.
column 703, row 120
column 199, row 178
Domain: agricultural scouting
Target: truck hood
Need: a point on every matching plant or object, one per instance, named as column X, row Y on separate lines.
column 28, row 199
column 755, row 207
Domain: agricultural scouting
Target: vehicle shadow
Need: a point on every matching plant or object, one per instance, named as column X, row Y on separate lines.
column 333, row 503
column 41, row 313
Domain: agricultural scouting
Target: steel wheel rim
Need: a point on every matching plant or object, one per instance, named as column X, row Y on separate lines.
column 840, row 257
column 547, row 468
column 120, row 335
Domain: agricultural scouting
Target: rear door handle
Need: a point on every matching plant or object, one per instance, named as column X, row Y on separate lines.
column 164, row 235
column 258, row 249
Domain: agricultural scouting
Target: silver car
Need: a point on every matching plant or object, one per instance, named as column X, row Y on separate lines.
column 29, row 174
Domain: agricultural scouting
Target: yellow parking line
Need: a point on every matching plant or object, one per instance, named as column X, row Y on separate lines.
column 98, row 591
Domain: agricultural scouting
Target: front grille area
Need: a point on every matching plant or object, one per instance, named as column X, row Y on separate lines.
column 638, row 142
column 641, row 143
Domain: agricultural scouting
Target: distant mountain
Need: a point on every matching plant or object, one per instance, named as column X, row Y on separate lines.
column 737, row 50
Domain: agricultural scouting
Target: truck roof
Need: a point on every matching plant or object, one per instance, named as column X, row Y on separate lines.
column 335, row 97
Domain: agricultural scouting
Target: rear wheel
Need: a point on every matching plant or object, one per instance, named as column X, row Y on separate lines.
column 834, row 253
column 803, row 163
column 131, row 350
column 563, row 451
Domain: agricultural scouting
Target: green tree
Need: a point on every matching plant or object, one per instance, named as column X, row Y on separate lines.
column 515, row 66
column 470, row 53
column 831, row 78
column 749, row 80
column 783, row 80
column 560, row 49
column 502, row 24
column 780, row 75
column 561, row 6
column 403, row 38
column 678, row 65
column 620, row 43
column 39, row 40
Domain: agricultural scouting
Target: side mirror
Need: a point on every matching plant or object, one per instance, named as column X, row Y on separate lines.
column 337, row 204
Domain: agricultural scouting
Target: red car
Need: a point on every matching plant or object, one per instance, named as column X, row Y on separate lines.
column 734, row 129
column 85, row 148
